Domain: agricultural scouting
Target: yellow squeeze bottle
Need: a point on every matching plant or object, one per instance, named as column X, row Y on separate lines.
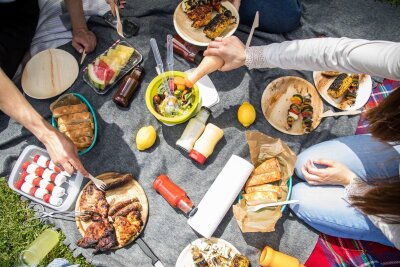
column 205, row 145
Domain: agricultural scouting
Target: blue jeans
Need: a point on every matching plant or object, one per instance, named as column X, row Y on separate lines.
column 276, row 16
column 323, row 208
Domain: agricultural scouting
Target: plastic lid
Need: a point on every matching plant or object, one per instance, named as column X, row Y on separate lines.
column 197, row 156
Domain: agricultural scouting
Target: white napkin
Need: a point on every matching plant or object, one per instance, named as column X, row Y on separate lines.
column 219, row 198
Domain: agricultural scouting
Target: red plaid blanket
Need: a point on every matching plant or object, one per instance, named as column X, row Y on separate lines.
column 333, row 251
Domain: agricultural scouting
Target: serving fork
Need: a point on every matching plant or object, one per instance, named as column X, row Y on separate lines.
column 98, row 183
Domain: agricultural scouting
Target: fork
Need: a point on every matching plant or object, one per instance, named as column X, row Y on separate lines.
column 98, row 183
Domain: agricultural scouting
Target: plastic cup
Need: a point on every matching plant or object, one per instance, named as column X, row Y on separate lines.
column 272, row 258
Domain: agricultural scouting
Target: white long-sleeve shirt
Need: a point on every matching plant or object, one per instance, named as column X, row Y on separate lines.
column 376, row 58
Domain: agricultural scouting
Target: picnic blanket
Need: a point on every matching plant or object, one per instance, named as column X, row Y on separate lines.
column 167, row 232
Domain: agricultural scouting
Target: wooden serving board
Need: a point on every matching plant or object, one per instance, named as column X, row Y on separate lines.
column 49, row 73
column 275, row 103
column 323, row 82
column 183, row 26
column 125, row 192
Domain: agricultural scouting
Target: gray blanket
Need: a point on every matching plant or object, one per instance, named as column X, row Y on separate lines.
column 167, row 232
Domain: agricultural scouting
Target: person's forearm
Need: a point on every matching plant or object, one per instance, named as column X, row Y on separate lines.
column 377, row 58
column 17, row 107
column 75, row 9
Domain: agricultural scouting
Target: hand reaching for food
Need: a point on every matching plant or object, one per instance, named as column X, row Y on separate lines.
column 230, row 49
column 84, row 40
column 235, row 3
column 335, row 173
column 63, row 152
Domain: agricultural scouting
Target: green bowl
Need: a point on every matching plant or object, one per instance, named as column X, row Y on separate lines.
column 84, row 100
column 152, row 91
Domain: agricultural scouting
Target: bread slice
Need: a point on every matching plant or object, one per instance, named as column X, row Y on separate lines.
column 75, row 118
column 264, row 178
column 264, row 188
column 257, row 198
column 70, row 109
column 83, row 132
column 269, row 165
column 71, row 127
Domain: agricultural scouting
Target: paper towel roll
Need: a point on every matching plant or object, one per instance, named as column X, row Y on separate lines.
column 219, row 198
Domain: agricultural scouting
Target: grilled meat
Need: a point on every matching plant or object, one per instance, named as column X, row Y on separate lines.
column 93, row 200
column 219, row 24
column 127, row 227
column 200, row 16
column 340, row 85
column 99, row 235
column 120, row 205
column 115, row 179
column 189, row 5
column 136, row 206
column 294, row 110
column 307, row 112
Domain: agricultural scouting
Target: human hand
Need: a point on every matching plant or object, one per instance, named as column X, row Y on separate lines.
column 63, row 152
column 112, row 5
column 83, row 39
column 335, row 173
column 230, row 49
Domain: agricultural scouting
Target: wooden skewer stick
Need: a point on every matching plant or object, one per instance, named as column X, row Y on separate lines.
column 83, row 56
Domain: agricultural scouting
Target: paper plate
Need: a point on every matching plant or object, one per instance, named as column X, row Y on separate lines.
column 275, row 103
column 195, row 36
column 49, row 73
column 124, row 192
column 322, row 84
column 185, row 258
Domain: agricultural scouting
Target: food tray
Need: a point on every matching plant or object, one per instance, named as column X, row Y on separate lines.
column 289, row 185
column 135, row 59
column 84, row 100
column 72, row 185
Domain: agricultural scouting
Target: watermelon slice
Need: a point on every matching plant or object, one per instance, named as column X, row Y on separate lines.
column 100, row 74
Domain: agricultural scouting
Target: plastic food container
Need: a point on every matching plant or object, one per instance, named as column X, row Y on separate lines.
column 289, row 185
column 72, row 185
column 134, row 60
column 84, row 100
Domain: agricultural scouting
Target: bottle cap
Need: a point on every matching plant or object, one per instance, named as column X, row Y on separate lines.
column 197, row 156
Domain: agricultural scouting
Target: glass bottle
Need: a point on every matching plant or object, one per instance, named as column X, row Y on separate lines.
column 128, row 86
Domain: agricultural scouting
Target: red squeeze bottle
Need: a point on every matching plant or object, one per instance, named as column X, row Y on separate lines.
column 175, row 195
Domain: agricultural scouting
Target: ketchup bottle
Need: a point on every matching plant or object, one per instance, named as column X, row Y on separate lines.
column 175, row 195
column 125, row 92
column 188, row 51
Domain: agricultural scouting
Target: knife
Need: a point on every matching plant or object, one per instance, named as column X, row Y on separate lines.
column 147, row 250
column 256, row 23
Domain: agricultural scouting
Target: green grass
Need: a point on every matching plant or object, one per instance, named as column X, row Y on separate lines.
column 14, row 237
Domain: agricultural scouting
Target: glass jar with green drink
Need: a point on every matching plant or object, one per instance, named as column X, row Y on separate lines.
column 39, row 248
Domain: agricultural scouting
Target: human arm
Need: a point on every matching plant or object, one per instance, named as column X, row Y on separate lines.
column 377, row 58
column 334, row 173
column 61, row 150
column 235, row 3
column 83, row 38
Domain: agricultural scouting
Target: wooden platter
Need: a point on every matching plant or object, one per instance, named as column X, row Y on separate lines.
column 195, row 36
column 323, row 82
column 49, row 73
column 275, row 103
column 124, row 192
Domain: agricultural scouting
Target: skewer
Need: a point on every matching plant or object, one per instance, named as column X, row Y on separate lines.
column 83, row 56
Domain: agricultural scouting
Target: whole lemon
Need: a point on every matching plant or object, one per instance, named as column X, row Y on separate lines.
column 246, row 114
column 145, row 137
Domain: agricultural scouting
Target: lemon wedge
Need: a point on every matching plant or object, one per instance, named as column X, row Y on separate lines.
column 246, row 114
column 145, row 137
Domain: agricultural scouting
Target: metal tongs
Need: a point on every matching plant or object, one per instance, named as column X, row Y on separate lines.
column 172, row 104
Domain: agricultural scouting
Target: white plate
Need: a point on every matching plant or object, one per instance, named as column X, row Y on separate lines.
column 72, row 185
column 194, row 36
column 322, row 84
column 185, row 258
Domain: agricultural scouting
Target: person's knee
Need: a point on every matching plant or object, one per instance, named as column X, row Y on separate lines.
column 300, row 192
